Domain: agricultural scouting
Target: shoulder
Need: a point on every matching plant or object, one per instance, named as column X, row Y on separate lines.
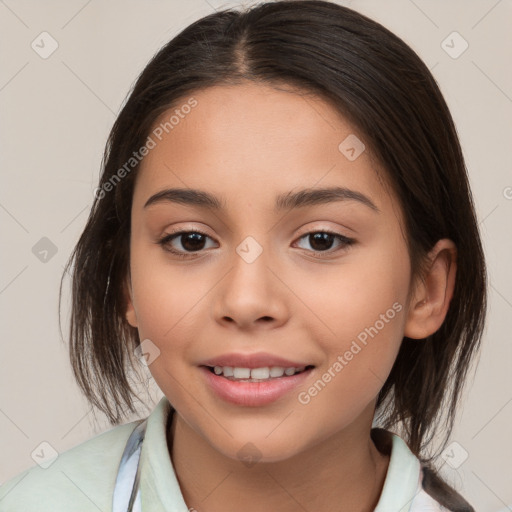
column 79, row 479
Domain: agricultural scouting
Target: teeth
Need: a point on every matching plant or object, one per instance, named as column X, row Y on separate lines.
column 241, row 373
column 264, row 373
column 260, row 373
column 276, row 371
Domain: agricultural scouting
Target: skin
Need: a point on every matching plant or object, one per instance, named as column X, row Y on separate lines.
column 246, row 144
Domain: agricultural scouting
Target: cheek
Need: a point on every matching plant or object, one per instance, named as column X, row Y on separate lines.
column 344, row 300
column 167, row 297
column 168, row 307
column 356, row 313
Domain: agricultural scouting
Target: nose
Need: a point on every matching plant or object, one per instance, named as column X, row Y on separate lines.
column 251, row 295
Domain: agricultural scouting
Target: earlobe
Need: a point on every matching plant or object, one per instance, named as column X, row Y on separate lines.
column 431, row 299
column 131, row 317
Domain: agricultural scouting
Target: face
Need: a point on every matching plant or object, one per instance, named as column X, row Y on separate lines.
column 320, row 282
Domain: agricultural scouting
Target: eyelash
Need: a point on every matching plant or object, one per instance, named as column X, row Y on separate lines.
column 164, row 241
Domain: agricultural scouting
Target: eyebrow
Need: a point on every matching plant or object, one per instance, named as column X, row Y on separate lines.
column 289, row 200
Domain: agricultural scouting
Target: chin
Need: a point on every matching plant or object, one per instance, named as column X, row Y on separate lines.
column 259, row 449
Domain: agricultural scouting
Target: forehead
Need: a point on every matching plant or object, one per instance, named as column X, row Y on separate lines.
column 258, row 142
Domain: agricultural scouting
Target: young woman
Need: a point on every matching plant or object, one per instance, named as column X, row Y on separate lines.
column 284, row 232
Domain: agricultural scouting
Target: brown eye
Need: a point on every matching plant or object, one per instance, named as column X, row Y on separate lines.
column 190, row 242
column 322, row 241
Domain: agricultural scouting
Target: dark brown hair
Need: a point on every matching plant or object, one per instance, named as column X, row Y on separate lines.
column 379, row 83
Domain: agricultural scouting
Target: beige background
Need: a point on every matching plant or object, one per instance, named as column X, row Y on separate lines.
column 56, row 114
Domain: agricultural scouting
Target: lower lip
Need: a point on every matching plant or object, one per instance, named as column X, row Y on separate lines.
column 253, row 394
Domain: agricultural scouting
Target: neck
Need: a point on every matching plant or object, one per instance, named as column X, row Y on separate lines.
column 342, row 472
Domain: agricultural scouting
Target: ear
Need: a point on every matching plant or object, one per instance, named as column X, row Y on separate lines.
column 131, row 317
column 432, row 294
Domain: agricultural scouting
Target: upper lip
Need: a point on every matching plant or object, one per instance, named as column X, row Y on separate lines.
column 258, row 360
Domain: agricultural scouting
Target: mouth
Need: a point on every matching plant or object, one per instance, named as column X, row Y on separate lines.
column 262, row 374
column 255, row 387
